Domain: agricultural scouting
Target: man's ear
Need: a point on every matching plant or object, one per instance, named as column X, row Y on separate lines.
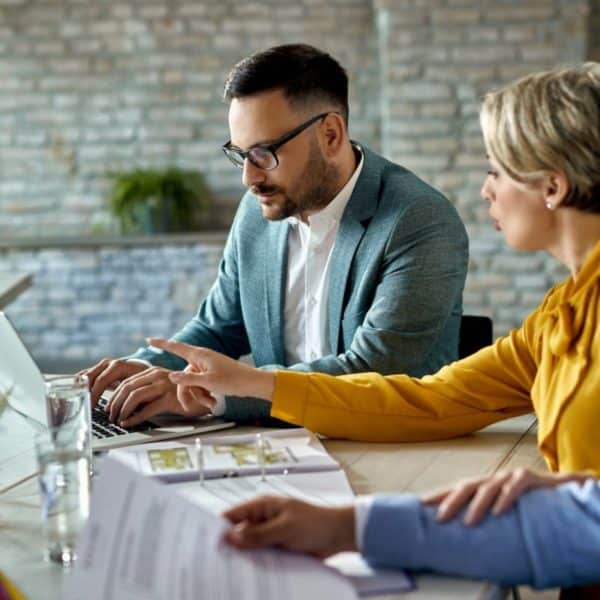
column 332, row 134
column 556, row 188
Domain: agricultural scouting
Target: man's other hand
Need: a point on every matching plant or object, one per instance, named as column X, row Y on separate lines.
column 108, row 372
column 149, row 393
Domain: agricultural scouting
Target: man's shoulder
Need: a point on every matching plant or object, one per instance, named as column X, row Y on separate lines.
column 397, row 182
column 399, row 189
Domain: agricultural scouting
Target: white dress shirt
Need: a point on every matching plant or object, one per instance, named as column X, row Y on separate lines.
column 310, row 246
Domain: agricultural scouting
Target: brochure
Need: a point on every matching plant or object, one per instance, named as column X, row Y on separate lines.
column 284, row 451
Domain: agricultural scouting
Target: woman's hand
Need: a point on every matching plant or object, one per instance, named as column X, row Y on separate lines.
column 497, row 492
column 292, row 525
column 215, row 373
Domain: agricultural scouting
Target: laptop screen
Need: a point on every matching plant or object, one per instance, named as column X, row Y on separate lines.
column 21, row 381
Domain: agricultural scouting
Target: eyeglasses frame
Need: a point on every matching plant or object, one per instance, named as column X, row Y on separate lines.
column 272, row 148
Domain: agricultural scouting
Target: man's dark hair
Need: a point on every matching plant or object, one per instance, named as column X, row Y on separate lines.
column 303, row 72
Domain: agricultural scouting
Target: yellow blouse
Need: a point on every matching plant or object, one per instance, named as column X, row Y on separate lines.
column 551, row 364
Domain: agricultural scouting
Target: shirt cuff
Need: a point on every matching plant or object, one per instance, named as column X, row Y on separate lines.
column 141, row 361
column 362, row 508
column 220, row 406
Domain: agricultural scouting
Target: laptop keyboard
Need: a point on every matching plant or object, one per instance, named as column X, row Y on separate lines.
column 103, row 428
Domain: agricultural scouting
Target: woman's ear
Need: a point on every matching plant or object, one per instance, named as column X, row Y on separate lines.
column 555, row 188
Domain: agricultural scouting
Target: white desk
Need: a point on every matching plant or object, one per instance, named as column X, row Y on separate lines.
column 370, row 468
column 11, row 286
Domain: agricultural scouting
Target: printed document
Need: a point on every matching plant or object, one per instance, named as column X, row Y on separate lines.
column 144, row 541
column 280, row 451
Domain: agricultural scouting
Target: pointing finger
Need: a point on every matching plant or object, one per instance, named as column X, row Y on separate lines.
column 179, row 348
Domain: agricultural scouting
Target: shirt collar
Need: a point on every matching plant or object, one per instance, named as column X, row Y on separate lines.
column 332, row 213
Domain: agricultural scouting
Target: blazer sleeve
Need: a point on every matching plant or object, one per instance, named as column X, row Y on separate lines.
column 550, row 538
column 218, row 324
column 469, row 394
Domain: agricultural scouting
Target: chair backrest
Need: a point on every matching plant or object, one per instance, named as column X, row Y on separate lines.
column 475, row 333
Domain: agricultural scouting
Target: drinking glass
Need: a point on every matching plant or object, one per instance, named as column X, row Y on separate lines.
column 68, row 408
column 64, row 481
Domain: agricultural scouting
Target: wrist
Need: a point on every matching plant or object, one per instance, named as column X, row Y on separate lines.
column 264, row 385
column 345, row 529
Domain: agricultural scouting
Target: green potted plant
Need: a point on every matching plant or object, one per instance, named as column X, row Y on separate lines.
column 159, row 200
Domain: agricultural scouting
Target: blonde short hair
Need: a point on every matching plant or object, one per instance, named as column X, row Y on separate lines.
column 549, row 121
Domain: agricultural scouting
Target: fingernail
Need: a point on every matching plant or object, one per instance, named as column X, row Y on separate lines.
column 175, row 377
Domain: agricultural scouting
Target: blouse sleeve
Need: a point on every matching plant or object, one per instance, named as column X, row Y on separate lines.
column 488, row 386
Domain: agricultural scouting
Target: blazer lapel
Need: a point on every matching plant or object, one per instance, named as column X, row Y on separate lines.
column 360, row 208
column 275, row 268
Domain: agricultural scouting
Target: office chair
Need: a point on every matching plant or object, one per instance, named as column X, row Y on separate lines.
column 475, row 333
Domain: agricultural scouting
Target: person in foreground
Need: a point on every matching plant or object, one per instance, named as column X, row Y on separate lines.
column 338, row 260
column 547, row 537
column 542, row 135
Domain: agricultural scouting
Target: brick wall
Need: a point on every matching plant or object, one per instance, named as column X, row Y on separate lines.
column 93, row 87
column 90, row 87
column 103, row 300
column 438, row 58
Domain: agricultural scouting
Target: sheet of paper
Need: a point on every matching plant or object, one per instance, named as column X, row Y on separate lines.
column 369, row 581
column 17, row 455
column 330, row 488
column 143, row 541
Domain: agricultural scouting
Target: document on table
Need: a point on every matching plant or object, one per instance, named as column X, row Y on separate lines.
column 144, row 541
column 217, row 495
column 17, row 455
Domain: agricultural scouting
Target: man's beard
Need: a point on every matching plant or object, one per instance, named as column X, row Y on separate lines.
column 317, row 189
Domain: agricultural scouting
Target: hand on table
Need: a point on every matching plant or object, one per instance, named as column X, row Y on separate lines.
column 495, row 493
column 291, row 525
column 215, row 373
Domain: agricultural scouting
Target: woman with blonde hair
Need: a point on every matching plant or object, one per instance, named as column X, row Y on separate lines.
column 542, row 136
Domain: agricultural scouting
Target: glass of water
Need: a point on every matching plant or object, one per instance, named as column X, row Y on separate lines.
column 68, row 408
column 64, row 480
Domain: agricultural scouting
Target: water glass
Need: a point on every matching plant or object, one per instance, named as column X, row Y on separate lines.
column 64, row 481
column 68, row 408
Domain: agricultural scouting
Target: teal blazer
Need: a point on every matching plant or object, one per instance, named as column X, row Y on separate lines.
column 398, row 270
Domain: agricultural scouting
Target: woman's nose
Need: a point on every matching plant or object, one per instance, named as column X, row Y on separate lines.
column 485, row 191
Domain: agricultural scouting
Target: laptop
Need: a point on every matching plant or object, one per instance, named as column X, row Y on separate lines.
column 22, row 385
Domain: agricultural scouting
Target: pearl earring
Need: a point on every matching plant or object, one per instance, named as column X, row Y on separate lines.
column 549, row 206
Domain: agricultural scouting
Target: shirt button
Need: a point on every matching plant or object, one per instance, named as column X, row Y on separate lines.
column 313, row 355
column 312, row 302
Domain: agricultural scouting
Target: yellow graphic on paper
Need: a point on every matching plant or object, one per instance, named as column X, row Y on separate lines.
column 169, row 459
column 245, row 454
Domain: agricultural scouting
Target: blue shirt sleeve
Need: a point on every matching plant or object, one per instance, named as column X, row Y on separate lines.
column 550, row 538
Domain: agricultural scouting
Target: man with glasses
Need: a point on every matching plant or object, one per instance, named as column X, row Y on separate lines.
column 337, row 261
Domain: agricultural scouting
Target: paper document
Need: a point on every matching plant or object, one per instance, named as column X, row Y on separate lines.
column 17, row 454
column 217, row 495
column 283, row 451
column 144, row 541
column 367, row 580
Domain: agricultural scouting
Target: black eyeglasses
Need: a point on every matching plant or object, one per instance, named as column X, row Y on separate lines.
column 264, row 156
